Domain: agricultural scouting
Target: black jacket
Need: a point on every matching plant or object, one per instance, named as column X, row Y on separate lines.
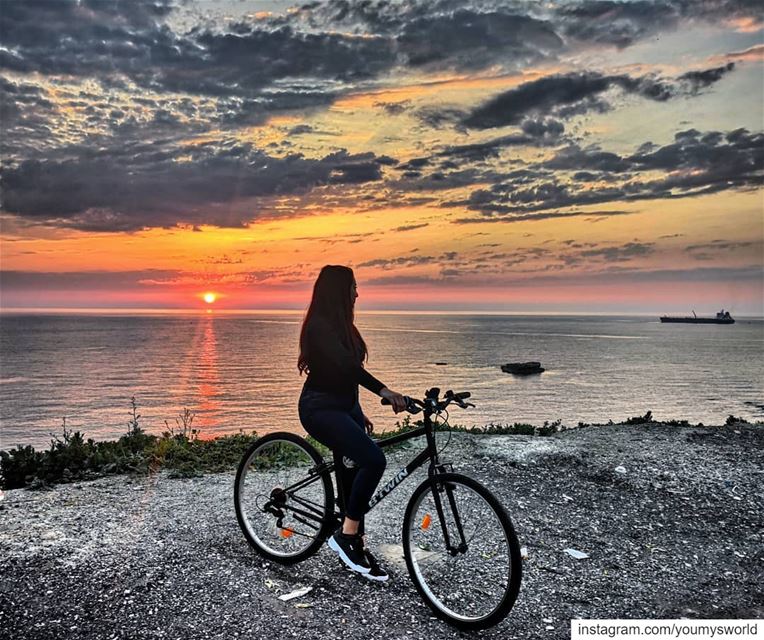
column 332, row 365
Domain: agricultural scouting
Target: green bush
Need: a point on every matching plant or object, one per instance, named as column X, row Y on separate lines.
column 18, row 467
column 71, row 457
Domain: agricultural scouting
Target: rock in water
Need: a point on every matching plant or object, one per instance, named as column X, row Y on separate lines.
column 522, row 368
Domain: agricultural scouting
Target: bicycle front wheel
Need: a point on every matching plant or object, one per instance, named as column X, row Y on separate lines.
column 461, row 551
column 284, row 500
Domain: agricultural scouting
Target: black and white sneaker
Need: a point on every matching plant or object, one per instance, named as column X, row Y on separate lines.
column 376, row 572
column 350, row 550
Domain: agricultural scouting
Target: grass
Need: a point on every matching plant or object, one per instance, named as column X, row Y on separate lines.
column 179, row 449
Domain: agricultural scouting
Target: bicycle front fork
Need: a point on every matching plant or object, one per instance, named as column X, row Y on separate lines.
column 439, row 488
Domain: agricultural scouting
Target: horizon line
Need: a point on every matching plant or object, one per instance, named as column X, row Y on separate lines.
column 209, row 311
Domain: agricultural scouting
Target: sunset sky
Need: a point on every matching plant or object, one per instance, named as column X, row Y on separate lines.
column 573, row 156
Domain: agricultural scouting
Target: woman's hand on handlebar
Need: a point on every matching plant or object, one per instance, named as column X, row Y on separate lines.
column 395, row 399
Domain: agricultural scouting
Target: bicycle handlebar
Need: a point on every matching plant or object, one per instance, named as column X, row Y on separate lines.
column 414, row 405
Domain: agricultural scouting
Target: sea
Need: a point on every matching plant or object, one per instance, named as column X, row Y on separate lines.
column 237, row 371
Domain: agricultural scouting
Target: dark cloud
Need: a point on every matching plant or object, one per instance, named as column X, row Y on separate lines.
column 574, row 93
column 698, row 80
column 300, row 129
column 26, row 115
column 574, row 157
column 597, row 214
column 443, row 33
column 149, row 184
column 694, row 164
column 542, row 128
column 620, row 253
column 411, row 227
column 722, row 245
column 610, row 22
column 82, row 38
column 405, row 280
column 438, row 117
column 477, row 151
column 470, row 39
column 117, row 39
column 394, row 108
column 402, row 261
column 712, row 250
column 410, row 261
column 121, row 41
column 621, row 24
column 536, row 133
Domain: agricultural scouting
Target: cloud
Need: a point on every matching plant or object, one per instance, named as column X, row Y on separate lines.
column 621, row 253
column 71, row 280
column 96, row 135
column 614, row 23
column 593, row 215
column 701, row 79
column 405, row 280
column 394, row 108
column 410, row 261
column 721, row 245
column 751, row 54
column 402, row 261
column 716, row 248
column 694, row 164
column 535, row 133
column 151, row 184
column 471, row 39
column 116, row 40
column 621, row 24
column 615, row 275
column 411, row 227
column 442, row 33
column 569, row 94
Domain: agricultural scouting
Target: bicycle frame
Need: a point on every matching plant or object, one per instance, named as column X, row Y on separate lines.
column 430, row 453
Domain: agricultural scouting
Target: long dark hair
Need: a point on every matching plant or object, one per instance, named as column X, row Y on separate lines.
column 332, row 302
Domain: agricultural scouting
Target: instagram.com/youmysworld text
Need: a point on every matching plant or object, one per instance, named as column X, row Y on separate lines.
column 667, row 629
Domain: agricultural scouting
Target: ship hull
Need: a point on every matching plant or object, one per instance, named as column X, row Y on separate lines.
column 698, row 320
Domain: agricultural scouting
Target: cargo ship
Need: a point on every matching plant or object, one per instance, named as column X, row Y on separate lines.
column 723, row 317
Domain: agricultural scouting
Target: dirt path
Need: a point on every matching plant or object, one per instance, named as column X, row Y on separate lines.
column 678, row 534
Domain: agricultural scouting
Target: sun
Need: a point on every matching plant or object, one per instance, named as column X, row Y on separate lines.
column 209, row 297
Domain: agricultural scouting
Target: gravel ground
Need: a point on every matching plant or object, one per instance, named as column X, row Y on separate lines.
column 679, row 534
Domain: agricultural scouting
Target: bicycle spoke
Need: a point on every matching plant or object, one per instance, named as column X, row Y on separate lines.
column 466, row 580
column 281, row 499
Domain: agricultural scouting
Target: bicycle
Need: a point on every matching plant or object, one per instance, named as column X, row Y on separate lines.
column 459, row 544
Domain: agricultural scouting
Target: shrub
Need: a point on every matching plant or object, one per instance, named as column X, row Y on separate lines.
column 18, row 466
column 648, row 417
column 679, row 423
column 71, row 457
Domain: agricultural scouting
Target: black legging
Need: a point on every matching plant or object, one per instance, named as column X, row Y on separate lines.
column 337, row 422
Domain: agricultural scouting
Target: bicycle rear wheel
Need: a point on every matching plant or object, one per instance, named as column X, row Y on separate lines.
column 471, row 581
column 284, row 502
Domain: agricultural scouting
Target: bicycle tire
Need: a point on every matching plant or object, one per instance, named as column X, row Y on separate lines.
column 328, row 495
column 512, row 586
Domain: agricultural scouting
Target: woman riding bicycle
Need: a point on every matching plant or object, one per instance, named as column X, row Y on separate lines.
column 332, row 353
